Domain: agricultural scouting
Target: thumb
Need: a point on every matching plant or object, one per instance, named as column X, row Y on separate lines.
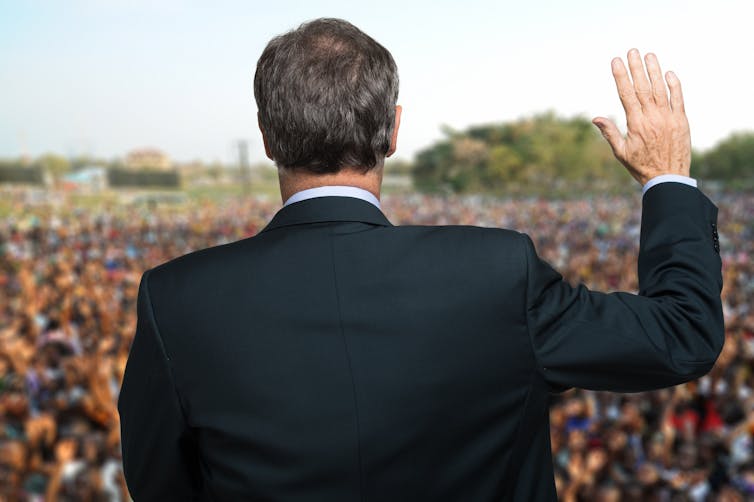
column 611, row 133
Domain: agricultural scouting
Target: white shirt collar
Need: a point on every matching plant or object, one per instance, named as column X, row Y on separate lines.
column 327, row 190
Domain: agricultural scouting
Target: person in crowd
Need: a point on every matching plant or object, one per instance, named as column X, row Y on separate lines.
column 68, row 285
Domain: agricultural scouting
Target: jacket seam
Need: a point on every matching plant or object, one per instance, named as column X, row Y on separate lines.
column 537, row 362
column 510, row 480
column 161, row 344
column 350, row 369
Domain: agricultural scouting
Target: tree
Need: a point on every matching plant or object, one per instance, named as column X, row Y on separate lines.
column 54, row 164
column 505, row 164
column 731, row 159
column 534, row 151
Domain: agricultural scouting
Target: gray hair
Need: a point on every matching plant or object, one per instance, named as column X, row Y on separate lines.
column 326, row 94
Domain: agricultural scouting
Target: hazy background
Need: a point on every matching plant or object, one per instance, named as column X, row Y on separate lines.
column 128, row 138
column 103, row 78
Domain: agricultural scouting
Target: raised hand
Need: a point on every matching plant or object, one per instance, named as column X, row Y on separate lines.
column 658, row 140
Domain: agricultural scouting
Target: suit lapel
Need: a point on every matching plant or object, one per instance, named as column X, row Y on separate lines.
column 327, row 208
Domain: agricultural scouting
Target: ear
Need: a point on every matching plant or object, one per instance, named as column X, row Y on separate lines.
column 264, row 139
column 394, row 139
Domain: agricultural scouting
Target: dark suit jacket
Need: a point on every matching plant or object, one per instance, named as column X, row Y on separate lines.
column 337, row 357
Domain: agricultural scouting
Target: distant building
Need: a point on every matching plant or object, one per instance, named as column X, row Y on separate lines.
column 148, row 158
column 88, row 179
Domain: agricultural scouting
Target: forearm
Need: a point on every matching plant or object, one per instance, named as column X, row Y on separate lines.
column 680, row 269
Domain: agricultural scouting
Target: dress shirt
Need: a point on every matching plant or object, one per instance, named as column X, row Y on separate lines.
column 343, row 190
column 668, row 177
column 360, row 193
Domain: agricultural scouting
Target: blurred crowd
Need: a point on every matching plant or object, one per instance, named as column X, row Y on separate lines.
column 69, row 277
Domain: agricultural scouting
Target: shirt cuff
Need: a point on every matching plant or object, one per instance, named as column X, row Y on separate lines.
column 668, row 177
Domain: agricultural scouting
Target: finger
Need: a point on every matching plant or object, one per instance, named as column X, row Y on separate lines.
column 659, row 91
column 639, row 77
column 676, row 94
column 613, row 136
column 625, row 89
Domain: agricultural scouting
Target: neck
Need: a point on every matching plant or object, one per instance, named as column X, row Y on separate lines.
column 292, row 182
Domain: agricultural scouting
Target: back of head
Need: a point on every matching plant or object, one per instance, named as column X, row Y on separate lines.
column 326, row 94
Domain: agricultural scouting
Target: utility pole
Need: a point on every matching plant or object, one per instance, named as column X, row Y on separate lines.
column 243, row 165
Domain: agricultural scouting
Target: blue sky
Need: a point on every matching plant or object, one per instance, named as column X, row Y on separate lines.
column 103, row 77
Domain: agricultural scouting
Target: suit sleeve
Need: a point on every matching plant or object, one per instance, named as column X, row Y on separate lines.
column 158, row 455
column 670, row 333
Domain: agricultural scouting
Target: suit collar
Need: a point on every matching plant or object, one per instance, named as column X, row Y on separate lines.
column 327, row 208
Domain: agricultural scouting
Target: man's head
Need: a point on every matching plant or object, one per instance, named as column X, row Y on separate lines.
column 326, row 94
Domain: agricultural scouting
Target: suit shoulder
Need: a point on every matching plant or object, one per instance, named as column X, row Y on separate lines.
column 480, row 232
column 200, row 261
column 485, row 246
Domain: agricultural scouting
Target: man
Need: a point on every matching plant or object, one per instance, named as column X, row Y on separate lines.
column 337, row 357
